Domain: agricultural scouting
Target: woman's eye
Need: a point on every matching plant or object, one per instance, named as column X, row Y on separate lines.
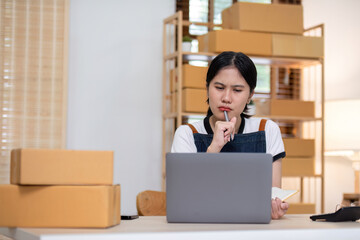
column 237, row 90
column 220, row 88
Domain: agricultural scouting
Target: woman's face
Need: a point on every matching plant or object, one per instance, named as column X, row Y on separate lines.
column 228, row 91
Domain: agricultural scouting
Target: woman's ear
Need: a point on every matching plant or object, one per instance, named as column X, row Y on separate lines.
column 207, row 95
column 251, row 95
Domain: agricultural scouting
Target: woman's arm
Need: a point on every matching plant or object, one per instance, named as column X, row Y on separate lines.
column 183, row 140
column 276, row 171
column 278, row 207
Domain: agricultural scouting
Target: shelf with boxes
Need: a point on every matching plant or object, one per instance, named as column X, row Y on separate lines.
column 295, row 95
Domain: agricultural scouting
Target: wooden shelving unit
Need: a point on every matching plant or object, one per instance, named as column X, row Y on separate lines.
column 312, row 89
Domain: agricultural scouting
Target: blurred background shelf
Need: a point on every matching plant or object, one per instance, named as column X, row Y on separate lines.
column 281, row 79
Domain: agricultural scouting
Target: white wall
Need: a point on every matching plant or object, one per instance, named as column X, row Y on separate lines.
column 342, row 72
column 339, row 179
column 114, row 87
column 342, row 48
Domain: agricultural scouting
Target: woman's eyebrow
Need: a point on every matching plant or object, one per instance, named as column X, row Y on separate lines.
column 219, row 83
column 237, row 85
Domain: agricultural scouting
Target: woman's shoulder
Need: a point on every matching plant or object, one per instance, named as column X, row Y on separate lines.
column 187, row 129
column 198, row 125
column 270, row 124
column 183, row 129
column 253, row 123
column 183, row 140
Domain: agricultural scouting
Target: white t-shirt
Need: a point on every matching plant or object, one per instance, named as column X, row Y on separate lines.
column 184, row 138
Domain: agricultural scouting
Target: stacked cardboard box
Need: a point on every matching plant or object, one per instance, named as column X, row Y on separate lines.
column 300, row 153
column 194, row 100
column 273, row 18
column 284, row 107
column 194, row 88
column 192, row 77
column 263, row 29
column 300, row 157
column 60, row 188
column 273, row 30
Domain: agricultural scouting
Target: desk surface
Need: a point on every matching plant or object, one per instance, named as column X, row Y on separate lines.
column 289, row 227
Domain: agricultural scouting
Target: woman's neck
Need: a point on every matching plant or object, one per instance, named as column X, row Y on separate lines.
column 213, row 120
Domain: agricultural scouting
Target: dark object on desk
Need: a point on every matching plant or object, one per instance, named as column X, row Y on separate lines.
column 129, row 217
column 342, row 215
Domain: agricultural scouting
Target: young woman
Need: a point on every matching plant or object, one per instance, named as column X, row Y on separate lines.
column 230, row 83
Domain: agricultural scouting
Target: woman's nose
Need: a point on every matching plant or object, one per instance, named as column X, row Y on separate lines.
column 226, row 98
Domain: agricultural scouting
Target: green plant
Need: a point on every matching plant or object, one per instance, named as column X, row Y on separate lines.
column 187, row 39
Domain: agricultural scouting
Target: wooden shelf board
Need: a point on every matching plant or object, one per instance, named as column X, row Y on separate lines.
column 291, row 118
column 296, row 176
column 262, row 60
column 188, row 23
column 285, row 61
column 169, row 115
column 186, row 114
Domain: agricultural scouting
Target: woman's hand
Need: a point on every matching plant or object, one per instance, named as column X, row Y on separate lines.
column 278, row 208
column 222, row 134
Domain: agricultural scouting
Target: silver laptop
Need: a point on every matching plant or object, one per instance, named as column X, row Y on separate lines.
column 218, row 187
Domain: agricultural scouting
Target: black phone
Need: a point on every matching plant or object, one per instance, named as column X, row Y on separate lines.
column 341, row 215
column 129, row 217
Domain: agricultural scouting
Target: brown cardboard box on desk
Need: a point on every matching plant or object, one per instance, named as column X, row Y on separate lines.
column 61, row 167
column 59, row 206
column 62, row 188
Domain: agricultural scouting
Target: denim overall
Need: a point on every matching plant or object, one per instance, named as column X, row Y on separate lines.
column 247, row 142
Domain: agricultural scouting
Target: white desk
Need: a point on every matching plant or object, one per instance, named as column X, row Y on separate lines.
column 289, row 227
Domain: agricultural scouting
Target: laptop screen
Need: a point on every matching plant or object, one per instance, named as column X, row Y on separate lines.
column 218, row 187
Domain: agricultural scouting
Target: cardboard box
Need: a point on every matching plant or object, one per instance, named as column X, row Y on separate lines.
column 263, row 44
column 194, row 100
column 297, row 46
column 275, row 18
column 296, row 147
column 226, row 18
column 290, row 108
column 298, row 166
column 61, row 167
column 59, row 206
column 192, row 77
column 301, row 208
column 251, row 43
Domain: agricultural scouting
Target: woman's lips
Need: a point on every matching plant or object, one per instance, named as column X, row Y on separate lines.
column 225, row 109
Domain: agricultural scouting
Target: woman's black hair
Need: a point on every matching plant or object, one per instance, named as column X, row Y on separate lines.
column 242, row 63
